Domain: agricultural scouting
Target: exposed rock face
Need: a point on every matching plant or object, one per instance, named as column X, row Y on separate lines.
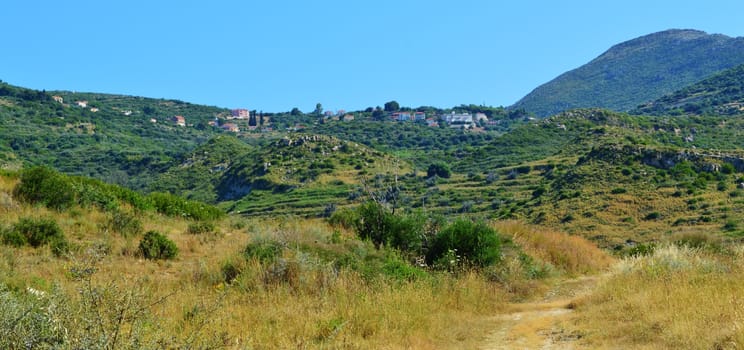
column 665, row 159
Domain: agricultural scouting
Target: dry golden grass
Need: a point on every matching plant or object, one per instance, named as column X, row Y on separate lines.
column 319, row 307
column 572, row 254
column 678, row 298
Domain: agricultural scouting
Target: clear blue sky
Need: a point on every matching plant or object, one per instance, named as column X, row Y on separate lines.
column 280, row 54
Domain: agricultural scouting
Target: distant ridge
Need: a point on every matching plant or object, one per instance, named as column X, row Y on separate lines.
column 637, row 71
column 720, row 94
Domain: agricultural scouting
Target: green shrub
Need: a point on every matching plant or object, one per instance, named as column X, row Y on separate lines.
column 265, row 251
column 154, row 245
column 440, row 169
column 382, row 227
column 45, row 186
column 171, row 205
column 640, row 250
column 124, row 223
column 13, row 238
column 345, row 217
column 400, row 270
column 94, row 192
column 476, row 242
column 730, row 225
column 652, row 216
column 38, row 231
column 728, row 168
column 201, row 227
column 618, row 190
column 59, row 246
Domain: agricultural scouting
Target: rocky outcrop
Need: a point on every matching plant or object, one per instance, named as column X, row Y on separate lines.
column 664, row 159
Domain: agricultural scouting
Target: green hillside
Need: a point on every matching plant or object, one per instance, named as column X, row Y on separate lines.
column 637, row 71
column 721, row 94
column 589, row 171
column 113, row 138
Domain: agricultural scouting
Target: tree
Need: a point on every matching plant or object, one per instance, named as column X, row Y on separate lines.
column 318, row 109
column 391, row 106
column 439, row 169
column 295, row 111
column 378, row 114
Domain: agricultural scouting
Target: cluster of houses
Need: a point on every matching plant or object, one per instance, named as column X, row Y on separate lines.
column 81, row 104
column 453, row 120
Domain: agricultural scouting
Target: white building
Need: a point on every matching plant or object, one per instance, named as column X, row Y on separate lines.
column 459, row 120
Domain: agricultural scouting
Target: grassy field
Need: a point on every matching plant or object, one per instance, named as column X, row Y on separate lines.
column 675, row 298
column 321, row 288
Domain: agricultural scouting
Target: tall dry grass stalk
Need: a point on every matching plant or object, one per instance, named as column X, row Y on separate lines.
column 316, row 306
column 676, row 298
column 572, row 254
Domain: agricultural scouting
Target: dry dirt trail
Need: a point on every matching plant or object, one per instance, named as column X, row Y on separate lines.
column 537, row 324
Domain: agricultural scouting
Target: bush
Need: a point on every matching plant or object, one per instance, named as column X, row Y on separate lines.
column 730, row 225
column 154, row 245
column 476, row 242
column 36, row 233
column 728, row 168
column 380, row 226
column 171, row 205
column 618, row 190
column 652, row 216
column 266, row 251
column 439, row 169
column 45, row 186
column 346, row 218
column 13, row 238
column 198, row 228
column 124, row 224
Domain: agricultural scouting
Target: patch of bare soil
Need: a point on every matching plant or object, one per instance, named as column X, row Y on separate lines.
column 540, row 324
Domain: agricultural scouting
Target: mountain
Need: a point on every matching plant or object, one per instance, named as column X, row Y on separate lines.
column 637, row 71
column 721, row 94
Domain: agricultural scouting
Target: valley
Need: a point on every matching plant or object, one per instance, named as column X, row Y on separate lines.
column 613, row 222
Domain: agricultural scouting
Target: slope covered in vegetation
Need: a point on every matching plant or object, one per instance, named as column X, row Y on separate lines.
column 721, row 94
column 637, row 71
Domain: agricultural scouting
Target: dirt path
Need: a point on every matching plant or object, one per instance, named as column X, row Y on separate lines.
column 537, row 325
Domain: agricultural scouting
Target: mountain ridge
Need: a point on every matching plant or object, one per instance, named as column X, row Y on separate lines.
column 636, row 71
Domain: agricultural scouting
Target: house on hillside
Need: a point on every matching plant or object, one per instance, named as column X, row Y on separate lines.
column 179, row 120
column 348, row 117
column 401, row 116
column 419, row 116
column 58, row 99
column 94, row 109
column 230, row 127
column 240, row 113
column 459, row 120
column 82, row 104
